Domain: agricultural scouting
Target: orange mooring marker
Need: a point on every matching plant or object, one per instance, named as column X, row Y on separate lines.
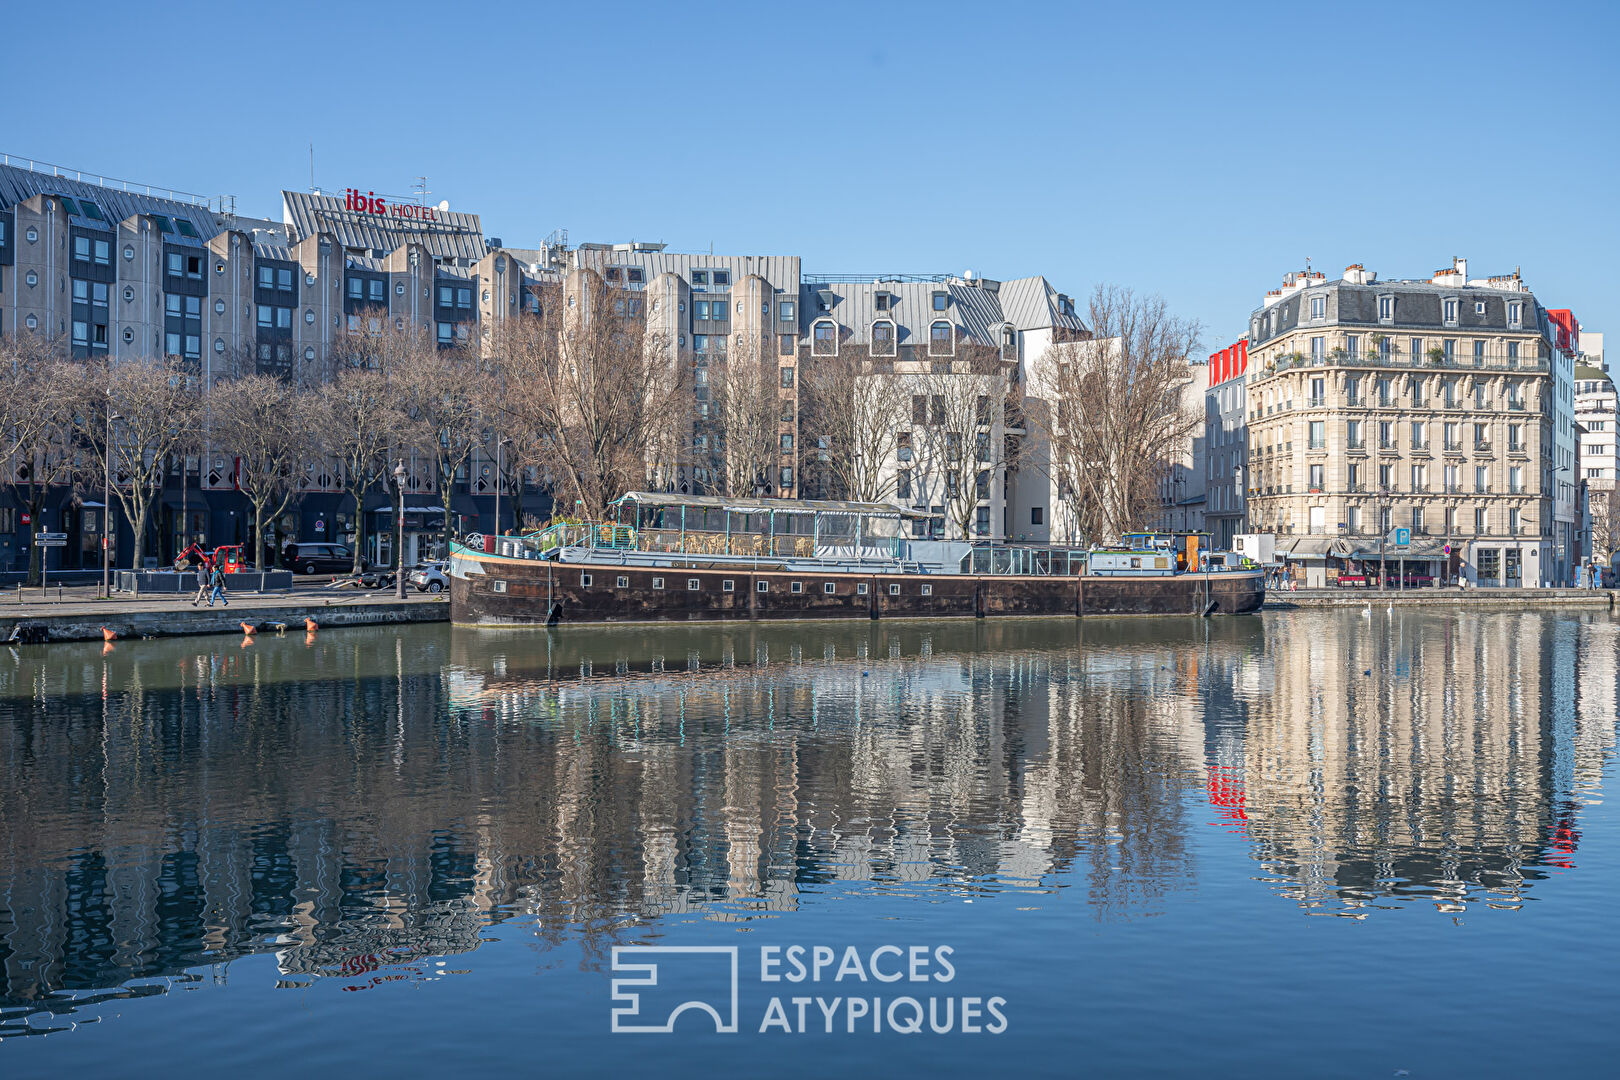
column 108, row 635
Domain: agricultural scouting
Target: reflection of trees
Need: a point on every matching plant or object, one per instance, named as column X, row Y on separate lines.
column 381, row 796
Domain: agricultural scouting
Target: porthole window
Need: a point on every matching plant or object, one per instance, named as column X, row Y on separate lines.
column 624, row 582
column 486, row 296
column 129, row 252
column 691, row 584
column 829, row 588
column 129, row 293
column 309, row 279
column 219, row 344
column 219, row 307
column 219, row 268
column 399, row 288
column 33, row 235
column 33, row 323
column 399, row 324
column 129, row 335
column 309, row 353
column 309, row 317
column 500, row 263
column 33, row 279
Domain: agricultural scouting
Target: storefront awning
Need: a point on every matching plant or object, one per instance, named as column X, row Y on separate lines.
column 1314, row 547
column 1412, row 553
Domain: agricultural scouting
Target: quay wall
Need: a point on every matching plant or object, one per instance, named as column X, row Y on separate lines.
column 1496, row 599
column 165, row 620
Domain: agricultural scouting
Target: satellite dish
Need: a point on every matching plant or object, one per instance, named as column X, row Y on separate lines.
column 444, row 204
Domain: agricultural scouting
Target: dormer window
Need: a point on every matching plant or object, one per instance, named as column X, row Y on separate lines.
column 1009, row 344
column 1066, row 305
column 883, row 300
column 942, row 300
column 883, row 339
column 824, row 338
column 1386, row 309
column 700, row 279
column 1479, row 307
column 612, row 273
column 1515, row 313
column 1448, row 310
column 941, row 339
column 1318, row 307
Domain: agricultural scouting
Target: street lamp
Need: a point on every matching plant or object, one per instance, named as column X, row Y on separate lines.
column 106, row 513
column 500, row 445
column 399, row 528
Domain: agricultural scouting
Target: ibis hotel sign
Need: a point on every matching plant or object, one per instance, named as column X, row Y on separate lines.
column 369, row 202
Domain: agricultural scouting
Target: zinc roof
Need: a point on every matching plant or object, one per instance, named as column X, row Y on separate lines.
column 18, row 184
column 452, row 235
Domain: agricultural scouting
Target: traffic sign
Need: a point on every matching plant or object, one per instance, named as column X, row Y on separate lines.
column 50, row 543
column 1403, row 537
column 1446, row 550
column 46, row 537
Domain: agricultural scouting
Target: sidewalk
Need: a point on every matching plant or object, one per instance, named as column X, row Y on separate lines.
column 1442, row 596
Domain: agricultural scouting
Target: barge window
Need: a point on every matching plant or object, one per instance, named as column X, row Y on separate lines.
column 497, row 586
column 624, row 582
column 727, row 585
column 928, row 590
column 585, row 579
column 860, row 589
column 691, row 584
column 658, row 583
column 894, row 589
column 829, row 588
column 763, row 586
column 798, row 586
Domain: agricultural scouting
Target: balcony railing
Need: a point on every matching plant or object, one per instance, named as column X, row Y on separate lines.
column 1515, row 405
column 1403, row 361
column 1315, row 402
column 1356, row 401
column 1356, row 444
column 1453, row 446
column 1481, row 447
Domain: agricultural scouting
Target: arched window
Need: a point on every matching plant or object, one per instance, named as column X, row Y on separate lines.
column 941, row 339
column 824, row 339
column 883, row 338
column 1009, row 343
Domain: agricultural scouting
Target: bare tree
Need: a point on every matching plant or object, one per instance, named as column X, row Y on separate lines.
column 746, row 409
column 1113, row 416
column 151, row 407
column 855, row 410
column 356, row 420
column 42, row 392
column 264, row 422
column 598, row 397
column 442, row 390
column 958, row 437
column 1605, row 510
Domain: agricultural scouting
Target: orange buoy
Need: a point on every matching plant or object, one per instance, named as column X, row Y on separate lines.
column 249, row 629
column 108, row 635
column 310, row 624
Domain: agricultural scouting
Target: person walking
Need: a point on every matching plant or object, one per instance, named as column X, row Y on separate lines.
column 217, row 581
column 204, row 568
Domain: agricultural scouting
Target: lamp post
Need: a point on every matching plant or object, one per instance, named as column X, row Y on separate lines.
column 106, row 514
column 399, row 530
column 500, row 445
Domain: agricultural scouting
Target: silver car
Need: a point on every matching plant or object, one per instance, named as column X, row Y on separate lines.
column 429, row 577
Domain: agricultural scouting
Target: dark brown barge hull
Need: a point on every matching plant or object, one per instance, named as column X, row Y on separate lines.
column 519, row 592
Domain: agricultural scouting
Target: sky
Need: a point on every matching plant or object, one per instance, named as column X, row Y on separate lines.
column 1193, row 151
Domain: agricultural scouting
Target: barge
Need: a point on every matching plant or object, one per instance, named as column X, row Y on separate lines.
column 689, row 557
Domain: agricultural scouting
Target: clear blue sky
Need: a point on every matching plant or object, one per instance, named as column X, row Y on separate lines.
column 1193, row 150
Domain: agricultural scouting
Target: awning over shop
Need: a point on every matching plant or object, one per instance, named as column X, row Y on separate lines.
column 1423, row 552
column 1313, row 547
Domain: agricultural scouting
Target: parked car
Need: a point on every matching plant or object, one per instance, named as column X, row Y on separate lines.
column 320, row 558
column 429, row 577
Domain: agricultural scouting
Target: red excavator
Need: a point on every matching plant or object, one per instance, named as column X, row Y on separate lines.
column 228, row 557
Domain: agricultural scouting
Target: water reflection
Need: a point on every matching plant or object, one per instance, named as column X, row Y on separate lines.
column 361, row 802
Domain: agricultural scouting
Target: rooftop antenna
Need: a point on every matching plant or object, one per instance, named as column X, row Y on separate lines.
column 421, row 189
column 1307, row 264
column 312, row 166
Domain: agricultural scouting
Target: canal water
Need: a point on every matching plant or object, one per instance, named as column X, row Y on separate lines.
column 1341, row 844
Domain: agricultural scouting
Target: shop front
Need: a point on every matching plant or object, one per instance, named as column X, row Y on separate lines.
column 424, row 534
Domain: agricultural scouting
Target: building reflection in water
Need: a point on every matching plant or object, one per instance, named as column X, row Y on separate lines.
column 379, row 797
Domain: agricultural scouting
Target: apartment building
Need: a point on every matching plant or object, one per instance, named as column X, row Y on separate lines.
column 1598, row 418
column 1443, row 405
column 959, row 350
column 1183, row 486
column 1226, row 443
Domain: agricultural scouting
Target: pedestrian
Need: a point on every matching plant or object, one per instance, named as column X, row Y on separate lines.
column 217, row 581
column 204, row 566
